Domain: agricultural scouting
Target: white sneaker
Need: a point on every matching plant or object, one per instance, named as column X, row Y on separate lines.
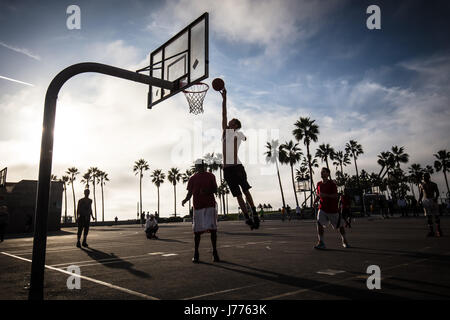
column 345, row 245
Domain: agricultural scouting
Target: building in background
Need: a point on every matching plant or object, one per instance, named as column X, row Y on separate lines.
column 20, row 198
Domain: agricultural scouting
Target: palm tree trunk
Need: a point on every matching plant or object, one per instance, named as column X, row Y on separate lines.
column 412, row 189
column 342, row 169
column 446, row 181
column 223, row 195
column 293, row 185
column 158, row 200
column 140, row 194
column 74, row 203
column 103, row 203
column 359, row 185
column 65, row 202
column 95, row 201
column 279, row 181
column 175, row 198
column 310, row 173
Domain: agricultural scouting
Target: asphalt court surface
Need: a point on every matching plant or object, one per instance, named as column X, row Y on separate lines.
column 276, row 262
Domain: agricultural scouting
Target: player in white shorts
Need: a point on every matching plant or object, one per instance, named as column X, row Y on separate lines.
column 328, row 209
column 429, row 190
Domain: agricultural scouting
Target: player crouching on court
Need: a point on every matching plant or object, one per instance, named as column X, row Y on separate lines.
column 202, row 185
column 328, row 209
column 151, row 227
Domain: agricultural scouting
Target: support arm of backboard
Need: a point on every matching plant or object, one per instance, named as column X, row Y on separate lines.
column 45, row 165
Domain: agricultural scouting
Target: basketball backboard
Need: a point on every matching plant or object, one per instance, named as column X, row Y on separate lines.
column 183, row 60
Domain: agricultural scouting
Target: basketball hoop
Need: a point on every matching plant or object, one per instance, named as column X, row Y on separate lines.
column 195, row 95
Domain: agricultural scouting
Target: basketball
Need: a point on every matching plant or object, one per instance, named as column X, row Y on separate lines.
column 218, row 84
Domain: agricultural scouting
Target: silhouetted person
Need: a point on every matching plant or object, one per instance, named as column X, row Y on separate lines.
column 233, row 170
column 430, row 192
column 151, row 227
column 328, row 209
column 202, row 185
column 84, row 214
column 345, row 208
column 115, row 220
column 4, row 220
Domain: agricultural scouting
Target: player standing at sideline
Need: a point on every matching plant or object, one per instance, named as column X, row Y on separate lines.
column 233, row 170
column 84, row 213
column 328, row 209
column 202, row 185
column 430, row 190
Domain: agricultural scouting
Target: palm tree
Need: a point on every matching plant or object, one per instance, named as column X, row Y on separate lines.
column 415, row 175
column 308, row 131
column 385, row 160
column 399, row 156
column 185, row 179
column 53, row 177
column 158, row 178
column 94, row 172
column 272, row 156
column 65, row 179
column 174, row 176
column 341, row 159
column 290, row 154
column 73, row 172
column 86, row 179
column 103, row 178
column 139, row 167
column 218, row 159
column 354, row 149
column 325, row 152
column 443, row 163
column 301, row 174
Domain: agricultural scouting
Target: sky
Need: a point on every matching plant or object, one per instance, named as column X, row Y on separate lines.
column 280, row 60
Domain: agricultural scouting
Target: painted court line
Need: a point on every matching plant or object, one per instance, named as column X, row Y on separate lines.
column 219, row 292
column 106, row 284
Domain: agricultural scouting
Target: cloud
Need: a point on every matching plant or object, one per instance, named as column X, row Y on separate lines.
column 22, row 51
column 271, row 25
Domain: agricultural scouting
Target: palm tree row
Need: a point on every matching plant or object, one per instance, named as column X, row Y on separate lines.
column 93, row 175
column 307, row 131
column 174, row 176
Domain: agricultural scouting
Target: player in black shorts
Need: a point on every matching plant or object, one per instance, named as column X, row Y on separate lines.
column 234, row 172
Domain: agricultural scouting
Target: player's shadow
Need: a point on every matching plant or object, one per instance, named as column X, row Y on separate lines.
column 254, row 233
column 171, row 240
column 402, row 253
column 326, row 288
column 110, row 260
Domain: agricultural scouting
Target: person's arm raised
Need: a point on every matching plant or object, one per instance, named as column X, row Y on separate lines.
column 224, row 109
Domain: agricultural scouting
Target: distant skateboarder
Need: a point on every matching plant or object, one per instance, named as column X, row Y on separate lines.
column 234, row 172
column 328, row 209
column 151, row 227
column 84, row 214
column 429, row 190
column 202, row 185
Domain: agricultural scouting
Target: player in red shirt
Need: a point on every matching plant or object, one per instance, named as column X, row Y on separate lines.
column 202, row 186
column 328, row 209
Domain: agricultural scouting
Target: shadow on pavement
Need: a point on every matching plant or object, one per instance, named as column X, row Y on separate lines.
column 117, row 264
column 308, row 284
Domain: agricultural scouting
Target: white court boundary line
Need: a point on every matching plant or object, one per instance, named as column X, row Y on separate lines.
column 106, row 284
column 219, row 292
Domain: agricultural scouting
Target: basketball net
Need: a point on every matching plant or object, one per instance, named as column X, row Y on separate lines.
column 195, row 95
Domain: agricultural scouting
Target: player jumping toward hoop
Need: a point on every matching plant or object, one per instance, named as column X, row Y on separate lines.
column 328, row 209
column 233, row 170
